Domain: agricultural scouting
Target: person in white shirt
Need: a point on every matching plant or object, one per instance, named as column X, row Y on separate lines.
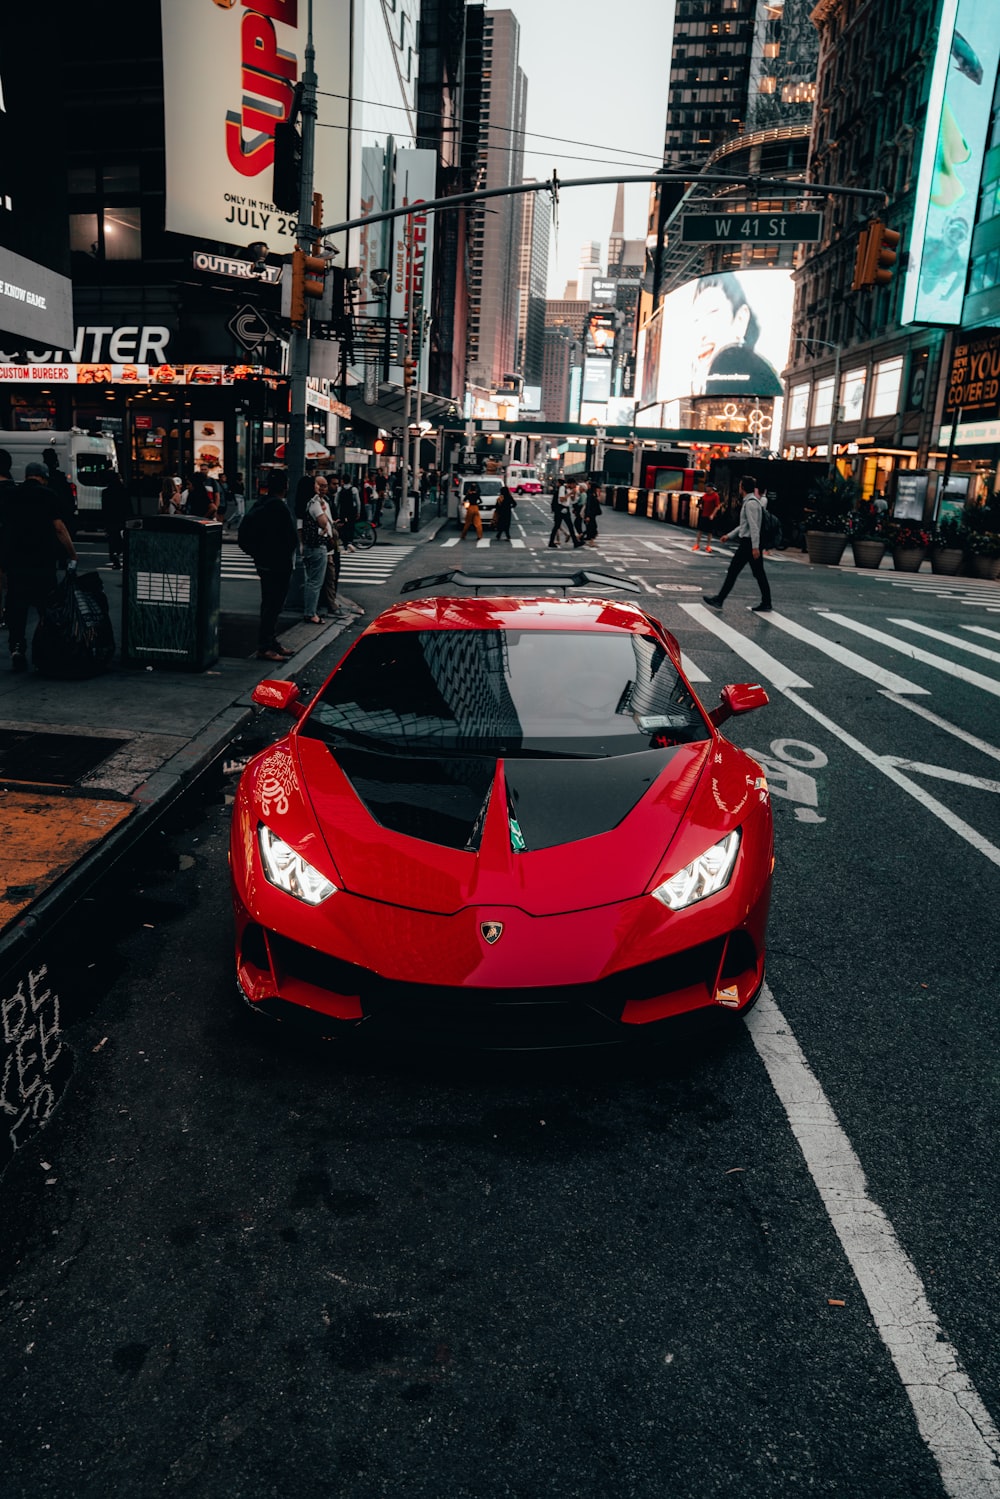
column 748, row 550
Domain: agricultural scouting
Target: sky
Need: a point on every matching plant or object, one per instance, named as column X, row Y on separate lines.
column 598, row 73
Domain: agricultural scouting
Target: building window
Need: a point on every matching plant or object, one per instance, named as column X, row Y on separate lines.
column 885, row 392
column 852, row 395
column 114, row 234
column 823, row 403
column 798, row 408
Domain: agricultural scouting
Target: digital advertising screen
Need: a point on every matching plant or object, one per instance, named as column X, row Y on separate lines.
column 951, row 160
column 597, row 379
column 726, row 335
column 36, row 294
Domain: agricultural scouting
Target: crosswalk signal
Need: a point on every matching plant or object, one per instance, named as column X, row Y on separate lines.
column 308, row 282
column 378, row 446
column 409, row 372
column 876, row 257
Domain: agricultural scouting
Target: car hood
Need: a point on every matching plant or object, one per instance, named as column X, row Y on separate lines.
column 552, row 835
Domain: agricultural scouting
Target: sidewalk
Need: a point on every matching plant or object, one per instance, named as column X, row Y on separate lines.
column 86, row 768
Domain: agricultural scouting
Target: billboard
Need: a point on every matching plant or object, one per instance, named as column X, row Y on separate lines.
column 726, row 335
column 951, row 160
column 416, row 180
column 972, row 403
column 36, row 295
column 229, row 72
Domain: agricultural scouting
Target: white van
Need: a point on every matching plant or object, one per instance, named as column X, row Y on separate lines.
column 522, row 478
column 490, row 486
column 87, row 461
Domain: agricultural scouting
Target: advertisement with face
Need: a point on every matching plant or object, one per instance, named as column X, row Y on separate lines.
column 229, row 73
column 726, row 335
column 951, row 160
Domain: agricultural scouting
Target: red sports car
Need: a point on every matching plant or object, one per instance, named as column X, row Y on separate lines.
column 507, row 820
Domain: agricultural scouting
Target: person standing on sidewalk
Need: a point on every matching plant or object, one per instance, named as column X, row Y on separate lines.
column 32, row 535
column 748, row 550
column 115, row 511
column 707, row 511
column 268, row 534
column 7, row 487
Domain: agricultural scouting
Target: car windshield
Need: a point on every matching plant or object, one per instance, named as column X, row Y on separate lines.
column 93, row 468
column 488, row 487
column 508, row 692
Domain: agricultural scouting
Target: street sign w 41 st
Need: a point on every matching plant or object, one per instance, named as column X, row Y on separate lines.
column 751, row 228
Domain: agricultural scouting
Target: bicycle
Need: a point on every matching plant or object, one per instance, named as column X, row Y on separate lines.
column 365, row 535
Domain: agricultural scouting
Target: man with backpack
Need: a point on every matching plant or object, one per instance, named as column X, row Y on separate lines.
column 347, row 513
column 267, row 534
column 750, row 548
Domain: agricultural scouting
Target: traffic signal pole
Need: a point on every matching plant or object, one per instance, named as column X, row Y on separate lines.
column 306, row 238
column 404, row 487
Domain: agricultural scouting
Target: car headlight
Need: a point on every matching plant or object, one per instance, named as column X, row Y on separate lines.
column 702, row 877
column 288, row 871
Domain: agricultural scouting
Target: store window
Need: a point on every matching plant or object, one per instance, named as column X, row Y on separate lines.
column 852, row 395
column 798, row 408
column 114, row 234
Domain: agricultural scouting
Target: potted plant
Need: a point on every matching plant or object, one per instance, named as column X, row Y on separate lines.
column 829, row 503
column 983, row 552
column 910, row 544
column 866, row 529
column 947, row 547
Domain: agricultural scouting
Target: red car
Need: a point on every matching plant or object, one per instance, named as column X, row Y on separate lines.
column 507, row 820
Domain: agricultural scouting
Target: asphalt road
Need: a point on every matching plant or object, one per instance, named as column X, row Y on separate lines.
column 754, row 1263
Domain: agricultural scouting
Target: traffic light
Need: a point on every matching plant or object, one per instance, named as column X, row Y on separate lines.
column 876, row 257
column 409, row 372
column 287, row 183
column 378, row 446
column 308, row 281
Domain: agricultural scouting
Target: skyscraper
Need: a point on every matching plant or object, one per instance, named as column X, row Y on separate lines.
column 496, row 236
column 533, row 274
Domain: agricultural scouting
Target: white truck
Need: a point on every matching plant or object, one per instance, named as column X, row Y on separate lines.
column 87, row 460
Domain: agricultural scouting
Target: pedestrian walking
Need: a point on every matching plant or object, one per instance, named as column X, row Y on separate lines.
column 592, row 513
column 472, row 515
column 171, row 502
column 32, row 534
column 748, row 550
column 60, row 486
column 238, row 496
column 202, row 497
column 348, row 509
column 505, row 507
column 579, row 494
column 7, row 486
column 116, row 509
column 562, row 516
column 268, row 534
column 707, row 511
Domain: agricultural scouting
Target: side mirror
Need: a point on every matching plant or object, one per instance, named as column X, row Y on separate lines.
column 738, row 697
column 281, row 695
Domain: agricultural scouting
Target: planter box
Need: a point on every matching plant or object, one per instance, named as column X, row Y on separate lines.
column 826, row 547
column 984, row 567
column 908, row 559
column 947, row 560
column 868, row 552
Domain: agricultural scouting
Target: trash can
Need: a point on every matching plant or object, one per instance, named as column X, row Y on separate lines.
column 171, row 586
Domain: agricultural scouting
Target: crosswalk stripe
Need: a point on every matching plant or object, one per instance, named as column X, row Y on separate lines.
column 960, row 645
column 845, row 657
column 962, row 673
column 942, row 723
column 762, row 661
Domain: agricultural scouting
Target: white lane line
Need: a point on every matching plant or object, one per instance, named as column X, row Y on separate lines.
column 950, row 1415
column 844, row 657
column 942, row 723
column 942, row 773
column 652, row 546
column 981, row 630
column 960, row 645
column 914, row 652
column 762, row 662
column 452, row 541
column 517, row 542
column 885, row 764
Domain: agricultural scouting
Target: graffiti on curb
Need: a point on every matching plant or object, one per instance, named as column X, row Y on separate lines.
column 35, row 1062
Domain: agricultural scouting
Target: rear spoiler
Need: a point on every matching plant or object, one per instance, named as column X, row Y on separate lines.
column 498, row 582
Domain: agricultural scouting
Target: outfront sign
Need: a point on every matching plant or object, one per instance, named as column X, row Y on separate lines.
column 229, row 74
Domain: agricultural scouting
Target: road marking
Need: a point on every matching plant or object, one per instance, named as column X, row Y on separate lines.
column 942, row 723
column 960, row 645
column 452, row 541
column 981, row 630
column 963, row 673
column 950, row 1415
column 884, row 764
column 942, row 773
column 763, row 663
column 692, row 672
column 844, row 657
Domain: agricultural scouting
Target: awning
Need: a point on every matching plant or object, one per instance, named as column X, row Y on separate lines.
column 387, row 410
column 314, row 449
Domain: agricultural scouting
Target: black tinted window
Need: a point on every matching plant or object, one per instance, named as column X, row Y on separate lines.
column 526, row 692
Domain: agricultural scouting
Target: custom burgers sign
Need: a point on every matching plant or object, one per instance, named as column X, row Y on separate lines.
column 229, row 75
